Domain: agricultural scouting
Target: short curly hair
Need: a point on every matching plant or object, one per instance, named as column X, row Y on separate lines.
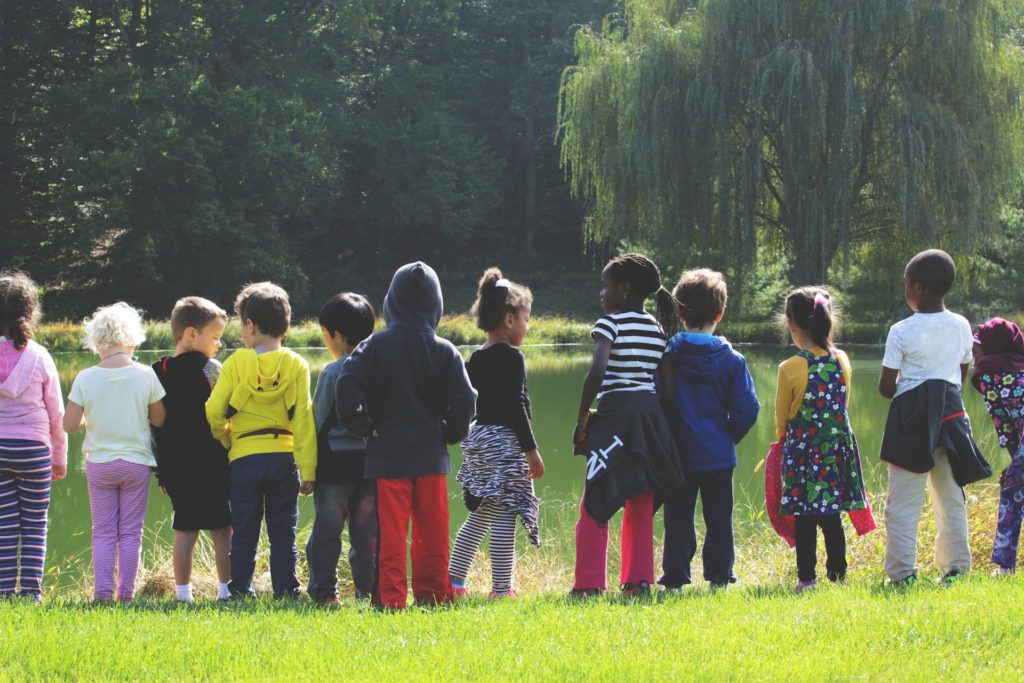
column 115, row 325
column 934, row 269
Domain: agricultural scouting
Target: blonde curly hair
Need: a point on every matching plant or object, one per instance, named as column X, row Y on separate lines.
column 115, row 325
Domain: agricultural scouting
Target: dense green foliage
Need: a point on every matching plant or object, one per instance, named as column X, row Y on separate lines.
column 150, row 149
column 796, row 130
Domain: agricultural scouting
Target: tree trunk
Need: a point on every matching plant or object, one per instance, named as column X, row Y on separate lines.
column 529, row 164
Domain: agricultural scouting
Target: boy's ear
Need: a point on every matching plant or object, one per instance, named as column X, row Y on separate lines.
column 720, row 316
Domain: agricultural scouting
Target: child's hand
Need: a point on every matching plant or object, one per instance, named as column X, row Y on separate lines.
column 58, row 472
column 536, row 464
column 306, row 488
column 163, row 490
column 580, row 434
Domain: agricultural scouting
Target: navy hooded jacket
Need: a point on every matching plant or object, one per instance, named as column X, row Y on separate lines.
column 406, row 388
column 715, row 402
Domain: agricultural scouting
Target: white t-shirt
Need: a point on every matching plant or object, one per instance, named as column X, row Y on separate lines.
column 116, row 402
column 928, row 346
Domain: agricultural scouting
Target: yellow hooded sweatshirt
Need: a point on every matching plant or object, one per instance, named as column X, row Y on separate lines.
column 265, row 396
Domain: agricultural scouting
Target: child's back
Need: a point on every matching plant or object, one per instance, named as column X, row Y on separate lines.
column 928, row 346
column 411, row 384
column 715, row 403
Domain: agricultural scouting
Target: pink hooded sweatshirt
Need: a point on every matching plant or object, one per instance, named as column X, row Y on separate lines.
column 31, row 406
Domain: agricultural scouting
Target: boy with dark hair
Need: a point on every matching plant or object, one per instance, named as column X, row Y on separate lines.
column 341, row 491
column 407, row 390
column 714, row 406
column 927, row 436
column 192, row 466
column 261, row 411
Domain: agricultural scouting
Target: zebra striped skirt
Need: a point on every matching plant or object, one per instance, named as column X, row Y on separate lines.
column 494, row 468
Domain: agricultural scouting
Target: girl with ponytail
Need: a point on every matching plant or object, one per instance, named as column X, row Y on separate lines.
column 500, row 459
column 627, row 441
column 821, row 472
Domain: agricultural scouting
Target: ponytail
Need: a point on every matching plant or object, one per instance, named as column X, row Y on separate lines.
column 19, row 307
column 668, row 313
column 811, row 309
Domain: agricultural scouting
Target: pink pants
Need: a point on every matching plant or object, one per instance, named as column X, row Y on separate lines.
column 118, row 494
column 637, row 546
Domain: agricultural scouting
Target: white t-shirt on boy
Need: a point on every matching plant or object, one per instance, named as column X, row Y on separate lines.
column 928, row 346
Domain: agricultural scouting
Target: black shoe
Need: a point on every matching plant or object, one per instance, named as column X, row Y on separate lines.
column 905, row 582
column 585, row 593
column 636, row 590
column 952, row 576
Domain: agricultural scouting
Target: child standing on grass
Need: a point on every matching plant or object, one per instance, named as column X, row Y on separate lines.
column 715, row 406
column 500, row 459
column 33, row 447
column 341, row 491
column 821, row 472
column 407, row 390
column 927, row 436
column 116, row 401
column 999, row 377
column 261, row 411
column 630, row 445
column 192, row 466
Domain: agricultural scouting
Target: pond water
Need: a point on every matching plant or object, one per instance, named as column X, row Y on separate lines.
column 555, row 378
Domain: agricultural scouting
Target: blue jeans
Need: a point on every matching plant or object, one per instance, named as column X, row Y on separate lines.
column 719, row 555
column 264, row 484
column 334, row 503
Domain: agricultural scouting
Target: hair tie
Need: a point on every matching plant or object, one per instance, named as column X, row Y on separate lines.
column 21, row 319
column 503, row 283
column 820, row 300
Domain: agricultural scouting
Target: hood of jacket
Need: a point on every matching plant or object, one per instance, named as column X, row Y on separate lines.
column 264, row 378
column 414, row 297
column 22, row 374
column 699, row 362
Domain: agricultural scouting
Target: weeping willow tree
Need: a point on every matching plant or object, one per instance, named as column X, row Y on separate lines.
column 728, row 124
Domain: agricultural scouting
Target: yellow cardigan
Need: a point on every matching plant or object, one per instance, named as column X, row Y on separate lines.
column 792, row 386
column 268, row 394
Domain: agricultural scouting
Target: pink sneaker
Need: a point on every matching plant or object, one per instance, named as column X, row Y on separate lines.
column 459, row 592
column 802, row 586
column 510, row 593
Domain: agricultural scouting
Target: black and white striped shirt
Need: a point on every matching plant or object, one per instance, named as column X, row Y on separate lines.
column 638, row 343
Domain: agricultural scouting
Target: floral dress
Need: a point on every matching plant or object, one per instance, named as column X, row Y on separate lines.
column 821, row 473
column 1003, row 394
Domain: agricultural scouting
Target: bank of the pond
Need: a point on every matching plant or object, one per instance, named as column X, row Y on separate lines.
column 968, row 631
column 458, row 329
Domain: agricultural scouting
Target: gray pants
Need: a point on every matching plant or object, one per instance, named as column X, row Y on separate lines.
column 903, row 512
column 333, row 503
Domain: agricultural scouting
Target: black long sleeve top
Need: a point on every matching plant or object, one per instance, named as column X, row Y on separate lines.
column 498, row 373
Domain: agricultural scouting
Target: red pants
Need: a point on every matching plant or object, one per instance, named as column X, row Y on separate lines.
column 425, row 500
column 637, row 545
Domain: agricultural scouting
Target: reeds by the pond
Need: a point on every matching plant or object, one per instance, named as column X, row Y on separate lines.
column 762, row 558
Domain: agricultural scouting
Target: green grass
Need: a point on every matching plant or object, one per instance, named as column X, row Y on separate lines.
column 969, row 631
column 757, row 630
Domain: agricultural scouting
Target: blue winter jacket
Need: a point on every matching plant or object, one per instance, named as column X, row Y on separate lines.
column 715, row 403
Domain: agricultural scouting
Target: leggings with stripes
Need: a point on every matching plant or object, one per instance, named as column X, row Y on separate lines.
column 502, row 524
column 25, row 471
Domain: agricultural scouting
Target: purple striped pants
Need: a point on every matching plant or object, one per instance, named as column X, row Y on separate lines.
column 24, row 499
column 118, row 494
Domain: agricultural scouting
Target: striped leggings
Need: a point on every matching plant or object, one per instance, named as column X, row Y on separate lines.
column 24, row 500
column 118, row 495
column 502, row 524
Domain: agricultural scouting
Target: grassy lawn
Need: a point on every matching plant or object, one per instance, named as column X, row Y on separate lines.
column 972, row 630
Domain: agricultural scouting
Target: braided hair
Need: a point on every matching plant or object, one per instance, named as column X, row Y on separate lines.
column 644, row 277
column 19, row 307
column 494, row 302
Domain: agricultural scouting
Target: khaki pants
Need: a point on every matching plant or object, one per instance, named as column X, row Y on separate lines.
column 903, row 512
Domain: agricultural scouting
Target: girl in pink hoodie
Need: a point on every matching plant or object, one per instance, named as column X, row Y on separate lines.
column 33, row 446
